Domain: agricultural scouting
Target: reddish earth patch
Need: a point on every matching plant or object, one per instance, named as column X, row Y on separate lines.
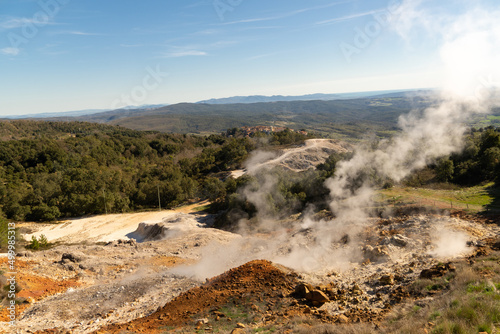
column 254, row 281
column 167, row 261
column 33, row 287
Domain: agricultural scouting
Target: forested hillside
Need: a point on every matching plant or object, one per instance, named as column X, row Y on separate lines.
column 349, row 119
column 56, row 169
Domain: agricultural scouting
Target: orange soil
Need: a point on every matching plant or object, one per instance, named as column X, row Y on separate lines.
column 167, row 261
column 33, row 286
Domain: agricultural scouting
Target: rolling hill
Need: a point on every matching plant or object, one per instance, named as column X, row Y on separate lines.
column 343, row 118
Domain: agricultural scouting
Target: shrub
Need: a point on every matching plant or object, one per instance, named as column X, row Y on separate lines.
column 40, row 243
column 34, row 243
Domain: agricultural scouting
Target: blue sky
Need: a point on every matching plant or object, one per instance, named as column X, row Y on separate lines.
column 60, row 55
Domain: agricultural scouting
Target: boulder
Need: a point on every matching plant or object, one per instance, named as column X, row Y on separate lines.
column 437, row 270
column 302, row 289
column 397, row 240
column 387, row 279
column 356, row 289
column 343, row 319
column 317, row 297
column 238, row 331
column 376, row 254
column 72, row 257
column 200, row 323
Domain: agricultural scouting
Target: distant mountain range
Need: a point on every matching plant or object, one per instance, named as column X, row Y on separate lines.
column 84, row 112
column 75, row 113
column 232, row 100
column 310, row 97
column 353, row 116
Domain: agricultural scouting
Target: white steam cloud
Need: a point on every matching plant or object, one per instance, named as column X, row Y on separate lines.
column 469, row 42
column 448, row 243
column 469, row 53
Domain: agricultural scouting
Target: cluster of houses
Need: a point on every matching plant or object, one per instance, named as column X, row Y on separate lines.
column 250, row 130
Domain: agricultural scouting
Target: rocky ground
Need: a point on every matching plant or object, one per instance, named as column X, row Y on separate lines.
column 311, row 154
column 155, row 281
column 297, row 159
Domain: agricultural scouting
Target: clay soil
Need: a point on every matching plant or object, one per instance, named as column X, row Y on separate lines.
column 34, row 287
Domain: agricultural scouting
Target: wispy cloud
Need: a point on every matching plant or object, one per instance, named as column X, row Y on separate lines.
column 262, row 56
column 288, row 14
column 75, row 32
column 260, row 28
column 221, row 44
column 196, row 49
column 207, row 32
column 10, row 51
column 18, row 22
column 348, row 17
column 250, row 20
column 184, row 53
column 303, row 10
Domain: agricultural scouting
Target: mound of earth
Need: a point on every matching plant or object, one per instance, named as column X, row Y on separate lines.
column 103, row 228
column 247, row 286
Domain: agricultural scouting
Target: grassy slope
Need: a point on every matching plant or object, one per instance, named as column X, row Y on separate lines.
column 474, row 199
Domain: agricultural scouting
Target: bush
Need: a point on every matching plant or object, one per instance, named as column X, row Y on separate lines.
column 34, row 244
column 40, row 243
column 44, row 213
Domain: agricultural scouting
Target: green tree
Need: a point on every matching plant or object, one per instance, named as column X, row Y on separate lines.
column 491, row 162
column 214, row 189
column 444, row 170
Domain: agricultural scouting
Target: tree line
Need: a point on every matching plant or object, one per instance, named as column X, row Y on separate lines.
column 50, row 170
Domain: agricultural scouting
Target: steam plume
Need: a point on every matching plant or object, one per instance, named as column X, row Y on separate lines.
column 469, row 53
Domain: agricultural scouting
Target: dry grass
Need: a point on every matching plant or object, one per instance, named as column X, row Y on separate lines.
column 470, row 305
column 307, row 325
